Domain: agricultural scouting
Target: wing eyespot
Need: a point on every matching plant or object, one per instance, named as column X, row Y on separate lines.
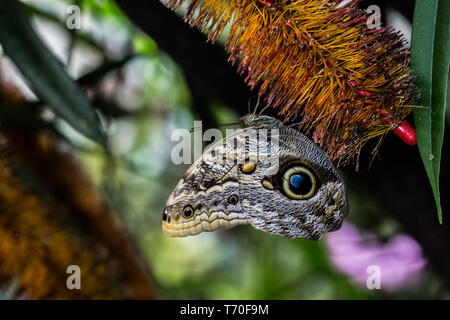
column 233, row 199
column 299, row 183
column 188, row 212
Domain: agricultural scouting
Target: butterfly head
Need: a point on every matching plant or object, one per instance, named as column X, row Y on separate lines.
column 260, row 121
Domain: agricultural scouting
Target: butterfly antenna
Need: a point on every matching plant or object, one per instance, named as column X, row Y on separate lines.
column 297, row 123
column 263, row 109
column 228, row 124
column 257, row 105
column 249, row 104
column 193, row 129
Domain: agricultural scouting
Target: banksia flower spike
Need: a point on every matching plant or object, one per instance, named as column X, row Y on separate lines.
column 316, row 61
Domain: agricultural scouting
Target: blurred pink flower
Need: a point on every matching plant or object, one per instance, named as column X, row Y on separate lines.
column 400, row 260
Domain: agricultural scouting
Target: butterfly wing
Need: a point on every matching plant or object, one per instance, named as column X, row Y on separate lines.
column 281, row 183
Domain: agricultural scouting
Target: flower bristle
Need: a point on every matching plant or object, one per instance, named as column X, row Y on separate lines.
column 316, row 61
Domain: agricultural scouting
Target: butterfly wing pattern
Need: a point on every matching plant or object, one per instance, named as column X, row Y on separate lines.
column 267, row 175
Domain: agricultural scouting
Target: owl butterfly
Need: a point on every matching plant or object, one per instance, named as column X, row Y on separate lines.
column 278, row 181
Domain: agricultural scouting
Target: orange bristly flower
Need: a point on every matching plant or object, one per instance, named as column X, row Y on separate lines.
column 318, row 62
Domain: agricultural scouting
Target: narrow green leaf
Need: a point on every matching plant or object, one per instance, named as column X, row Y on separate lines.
column 441, row 66
column 422, row 47
column 430, row 61
column 48, row 78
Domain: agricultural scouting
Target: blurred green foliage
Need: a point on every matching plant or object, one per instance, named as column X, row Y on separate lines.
column 46, row 75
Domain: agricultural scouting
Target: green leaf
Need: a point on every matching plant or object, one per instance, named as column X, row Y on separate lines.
column 46, row 75
column 430, row 60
